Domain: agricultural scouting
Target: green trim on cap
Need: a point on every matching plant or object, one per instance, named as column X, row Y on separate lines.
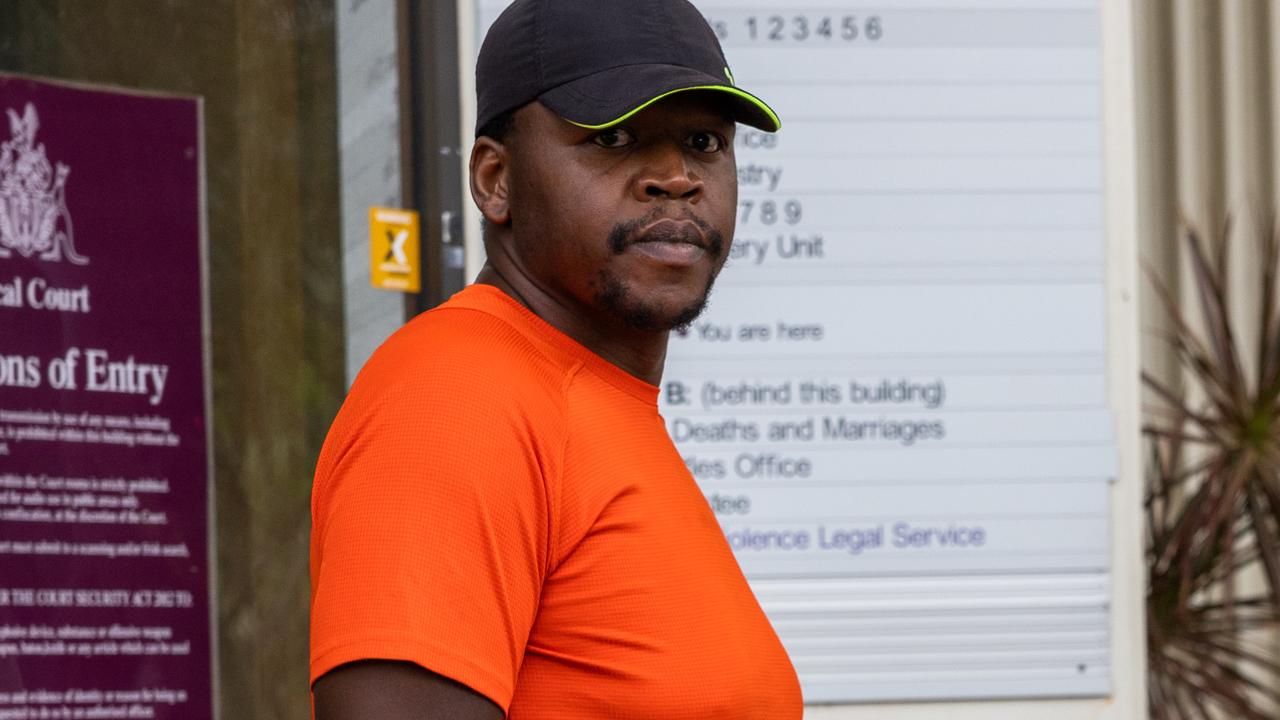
column 777, row 123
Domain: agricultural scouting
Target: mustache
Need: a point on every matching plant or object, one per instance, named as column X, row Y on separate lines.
column 626, row 233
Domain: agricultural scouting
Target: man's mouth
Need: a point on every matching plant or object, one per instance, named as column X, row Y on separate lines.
column 672, row 230
column 673, row 241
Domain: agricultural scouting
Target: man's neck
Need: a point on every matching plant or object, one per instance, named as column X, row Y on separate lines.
column 641, row 353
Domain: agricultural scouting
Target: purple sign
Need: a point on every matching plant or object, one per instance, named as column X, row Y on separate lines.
column 104, row 480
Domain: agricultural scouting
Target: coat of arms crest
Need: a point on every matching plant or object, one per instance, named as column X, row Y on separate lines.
column 33, row 209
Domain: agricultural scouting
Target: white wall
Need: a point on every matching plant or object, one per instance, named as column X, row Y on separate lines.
column 1128, row 700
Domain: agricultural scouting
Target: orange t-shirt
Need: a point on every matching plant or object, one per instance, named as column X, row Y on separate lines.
column 500, row 505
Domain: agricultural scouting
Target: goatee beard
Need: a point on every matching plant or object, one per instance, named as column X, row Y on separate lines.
column 613, row 295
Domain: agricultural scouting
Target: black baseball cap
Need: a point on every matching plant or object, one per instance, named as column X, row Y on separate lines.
column 596, row 63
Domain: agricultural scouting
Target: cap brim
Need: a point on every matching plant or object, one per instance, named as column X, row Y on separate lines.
column 611, row 96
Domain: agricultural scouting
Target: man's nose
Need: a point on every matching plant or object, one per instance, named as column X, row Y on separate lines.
column 667, row 175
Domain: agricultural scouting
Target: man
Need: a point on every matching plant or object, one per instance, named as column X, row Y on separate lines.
column 501, row 523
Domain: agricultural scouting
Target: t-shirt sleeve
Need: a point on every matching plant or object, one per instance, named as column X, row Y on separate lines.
column 432, row 523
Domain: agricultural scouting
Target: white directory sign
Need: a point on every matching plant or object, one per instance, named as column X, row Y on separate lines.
column 895, row 403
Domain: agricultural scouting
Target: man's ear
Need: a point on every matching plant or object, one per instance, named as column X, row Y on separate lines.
column 490, row 180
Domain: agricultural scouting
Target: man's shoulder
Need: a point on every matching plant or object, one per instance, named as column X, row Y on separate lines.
column 458, row 354
column 452, row 385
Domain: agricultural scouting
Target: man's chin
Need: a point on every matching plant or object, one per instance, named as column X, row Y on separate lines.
column 681, row 322
column 639, row 314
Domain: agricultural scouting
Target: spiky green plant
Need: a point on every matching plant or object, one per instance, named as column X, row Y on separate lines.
column 1213, row 500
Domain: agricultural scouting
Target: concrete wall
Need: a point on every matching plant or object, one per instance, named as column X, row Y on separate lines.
column 265, row 69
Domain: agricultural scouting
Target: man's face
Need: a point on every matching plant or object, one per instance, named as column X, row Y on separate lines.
column 627, row 225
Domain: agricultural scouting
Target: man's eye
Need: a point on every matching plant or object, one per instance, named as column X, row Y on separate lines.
column 613, row 138
column 705, row 142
